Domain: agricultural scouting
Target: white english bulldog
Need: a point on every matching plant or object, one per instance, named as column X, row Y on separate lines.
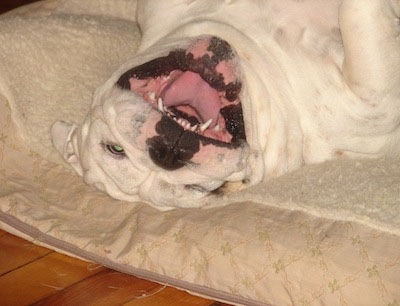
column 239, row 91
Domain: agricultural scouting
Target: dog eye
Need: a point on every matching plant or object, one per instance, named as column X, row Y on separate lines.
column 115, row 149
column 195, row 187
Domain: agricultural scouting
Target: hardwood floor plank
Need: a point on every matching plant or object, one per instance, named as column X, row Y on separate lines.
column 170, row 297
column 16, row 252
column 105, row 288
column 33, row 275
column 43, row 277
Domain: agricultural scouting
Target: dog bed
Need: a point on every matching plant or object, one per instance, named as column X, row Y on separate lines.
column 326, row 234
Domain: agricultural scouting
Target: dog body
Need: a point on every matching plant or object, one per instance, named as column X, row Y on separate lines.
column 239, row 91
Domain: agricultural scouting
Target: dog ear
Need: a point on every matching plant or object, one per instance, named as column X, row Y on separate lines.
column 64, row 138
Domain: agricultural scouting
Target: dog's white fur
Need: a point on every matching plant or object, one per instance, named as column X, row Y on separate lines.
column 321, row 81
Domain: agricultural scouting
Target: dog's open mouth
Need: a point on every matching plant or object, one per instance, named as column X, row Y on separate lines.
column 197, row 87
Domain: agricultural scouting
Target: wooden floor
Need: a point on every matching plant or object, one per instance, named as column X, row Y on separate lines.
column 33, row 275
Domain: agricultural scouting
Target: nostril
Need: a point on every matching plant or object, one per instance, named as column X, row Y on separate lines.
column 173, row 147
column 165, row 156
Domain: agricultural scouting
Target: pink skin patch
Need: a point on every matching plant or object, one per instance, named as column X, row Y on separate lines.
column 226, row 67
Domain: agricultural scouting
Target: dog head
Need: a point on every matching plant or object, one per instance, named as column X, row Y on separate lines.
column 168, row 128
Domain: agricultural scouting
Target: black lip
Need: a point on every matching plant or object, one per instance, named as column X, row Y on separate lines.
column 179, row 60
column 152, row 69
column 191, row 119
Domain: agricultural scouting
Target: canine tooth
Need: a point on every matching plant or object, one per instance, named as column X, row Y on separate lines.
column 160, row 105
column 217, row 128
column 167, row 77
column 204, row 126
column 152, row 95
column 194, row 128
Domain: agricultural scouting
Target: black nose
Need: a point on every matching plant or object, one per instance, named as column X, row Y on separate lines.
column 166, row 156
column 172, row 155
column 173, row 147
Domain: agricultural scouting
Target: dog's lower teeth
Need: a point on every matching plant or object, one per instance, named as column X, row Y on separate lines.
column 182, row 122
column 193, row 128
column 160, row 105
column 152, row 95
column 204, row 126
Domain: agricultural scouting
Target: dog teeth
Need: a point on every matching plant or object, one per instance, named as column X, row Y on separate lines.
column 194, row 128
column 182, row 122
column 160, row 105
column 204, row 126
column 185, row 124
column 152, row 95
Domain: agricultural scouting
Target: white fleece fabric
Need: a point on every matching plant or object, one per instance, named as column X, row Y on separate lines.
column 326, row 234
column 124, row 9
column 35, row 51
column 363, row 191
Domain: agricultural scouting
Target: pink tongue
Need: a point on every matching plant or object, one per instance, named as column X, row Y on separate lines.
column 190, row 89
